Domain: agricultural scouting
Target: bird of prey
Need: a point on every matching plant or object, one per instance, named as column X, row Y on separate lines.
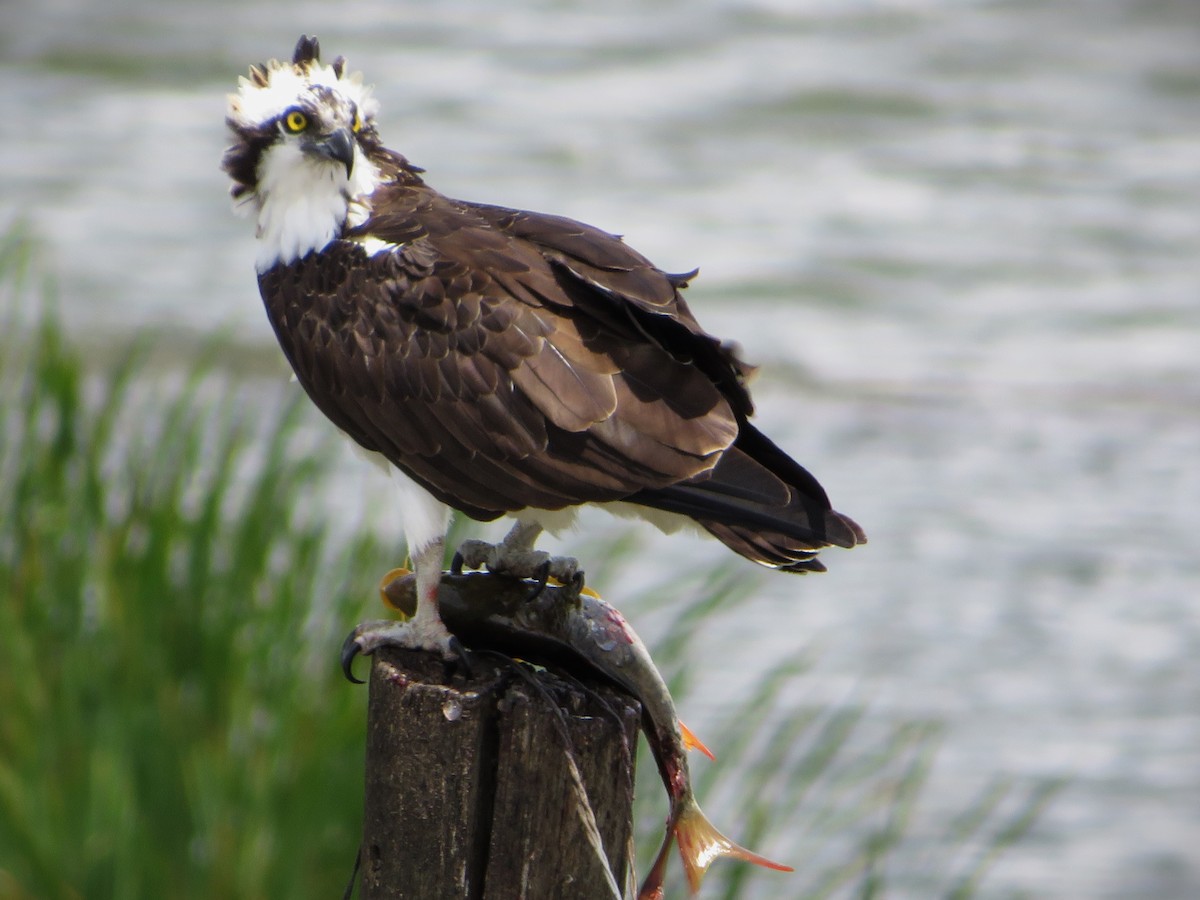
column 504, row 362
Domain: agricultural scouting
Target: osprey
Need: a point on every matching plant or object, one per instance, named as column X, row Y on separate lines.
column 504, row 362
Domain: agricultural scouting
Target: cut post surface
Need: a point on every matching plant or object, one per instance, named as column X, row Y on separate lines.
column 495, row 786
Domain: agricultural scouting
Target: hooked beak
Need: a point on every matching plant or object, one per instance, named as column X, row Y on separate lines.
column 338, row 146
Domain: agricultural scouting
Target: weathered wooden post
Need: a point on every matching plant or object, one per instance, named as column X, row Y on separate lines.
column 497, row 786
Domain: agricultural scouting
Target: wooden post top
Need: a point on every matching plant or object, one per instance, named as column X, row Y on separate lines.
column 496, row 786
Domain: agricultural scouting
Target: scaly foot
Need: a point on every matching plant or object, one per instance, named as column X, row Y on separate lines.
column 515, row 556
column 368, row 637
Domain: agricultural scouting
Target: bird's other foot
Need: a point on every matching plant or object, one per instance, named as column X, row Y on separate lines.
column 412, row 634
column 520, row 562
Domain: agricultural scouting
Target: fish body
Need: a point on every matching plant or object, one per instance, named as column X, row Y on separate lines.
column 565, row 626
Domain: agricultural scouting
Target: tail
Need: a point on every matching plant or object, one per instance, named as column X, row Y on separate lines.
column 699, row 844
column 762, row 504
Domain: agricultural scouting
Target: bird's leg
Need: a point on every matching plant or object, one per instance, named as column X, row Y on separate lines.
column 424, row 631
column 515, row 556
column 428, row 629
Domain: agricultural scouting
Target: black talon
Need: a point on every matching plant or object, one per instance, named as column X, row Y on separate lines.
column 541, row 578
column 350, row 650
column 463, row 656
column 456, row 563
column 575, row 586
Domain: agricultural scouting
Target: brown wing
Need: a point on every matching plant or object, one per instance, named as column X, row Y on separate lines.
column 491, row 372
column 625, row 290
column 757, row 499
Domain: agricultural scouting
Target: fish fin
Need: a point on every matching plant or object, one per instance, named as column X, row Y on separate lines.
column 694, row 743
column 393, row 595
column 700, row 843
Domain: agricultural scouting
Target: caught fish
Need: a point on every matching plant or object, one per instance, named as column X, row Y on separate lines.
column 565, row 626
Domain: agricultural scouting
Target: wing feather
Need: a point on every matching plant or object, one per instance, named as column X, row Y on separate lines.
column 494, row 359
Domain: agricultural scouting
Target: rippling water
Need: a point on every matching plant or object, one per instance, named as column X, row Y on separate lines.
column 960, row 236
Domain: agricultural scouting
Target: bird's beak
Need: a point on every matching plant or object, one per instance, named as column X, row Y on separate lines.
column 337, row 146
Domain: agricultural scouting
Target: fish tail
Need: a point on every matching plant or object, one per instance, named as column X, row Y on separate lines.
column 700, row 843
column 691, row 742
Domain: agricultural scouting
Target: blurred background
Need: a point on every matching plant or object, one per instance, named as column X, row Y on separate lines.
column 960, row 239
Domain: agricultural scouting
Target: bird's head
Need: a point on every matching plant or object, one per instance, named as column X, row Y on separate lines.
column 300, row 125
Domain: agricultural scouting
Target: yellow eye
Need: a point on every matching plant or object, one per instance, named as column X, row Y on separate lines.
column 295, row 121
column 358, row 122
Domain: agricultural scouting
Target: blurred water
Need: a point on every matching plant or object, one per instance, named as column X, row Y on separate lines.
column 960, row 236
